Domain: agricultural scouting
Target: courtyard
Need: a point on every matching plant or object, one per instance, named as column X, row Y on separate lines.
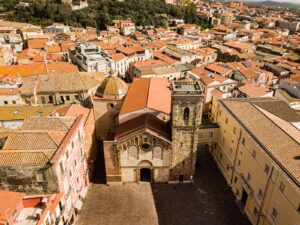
column 207, row 201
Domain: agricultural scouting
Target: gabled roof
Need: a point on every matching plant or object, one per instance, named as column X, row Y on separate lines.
column 30, row 141
column 151, row 93
column 143, row 122
column 248, row 73
column 22, row 112
column 254, row 90
column 217, row 68
column 262, row 118
column 48, row 123
column 200, row 71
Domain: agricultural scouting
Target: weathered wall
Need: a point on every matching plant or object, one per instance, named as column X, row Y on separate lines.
column 24, row 179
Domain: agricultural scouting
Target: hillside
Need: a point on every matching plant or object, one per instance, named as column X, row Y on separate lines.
column 100, row 13
column 274, row 4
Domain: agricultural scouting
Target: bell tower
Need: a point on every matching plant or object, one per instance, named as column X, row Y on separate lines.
column 187, row 102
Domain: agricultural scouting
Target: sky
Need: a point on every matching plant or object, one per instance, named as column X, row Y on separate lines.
column 290, row 1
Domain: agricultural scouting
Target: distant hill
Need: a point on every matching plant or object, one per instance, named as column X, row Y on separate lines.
column 274, row 4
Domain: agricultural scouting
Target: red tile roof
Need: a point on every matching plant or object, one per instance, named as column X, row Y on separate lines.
column 145, row 121
column 152, row 93
column 8, row 203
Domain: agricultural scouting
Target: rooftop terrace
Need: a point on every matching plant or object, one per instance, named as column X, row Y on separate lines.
column 187, row 87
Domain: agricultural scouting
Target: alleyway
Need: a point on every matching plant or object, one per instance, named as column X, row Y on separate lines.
column 208, row 201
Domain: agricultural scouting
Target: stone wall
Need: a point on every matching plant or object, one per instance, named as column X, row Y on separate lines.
column 105, row 112
column 32, row 180
column 185, row 136
column 132, row 157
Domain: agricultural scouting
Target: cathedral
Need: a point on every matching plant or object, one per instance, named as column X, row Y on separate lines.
column 151, row 129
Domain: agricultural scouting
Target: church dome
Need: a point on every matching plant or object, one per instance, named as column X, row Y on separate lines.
column 112, row 87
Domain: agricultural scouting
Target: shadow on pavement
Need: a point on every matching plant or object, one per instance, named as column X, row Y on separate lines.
column 99, row 176
column 207, row 201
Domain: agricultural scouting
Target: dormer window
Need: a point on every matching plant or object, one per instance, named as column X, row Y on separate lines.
column 186, row 113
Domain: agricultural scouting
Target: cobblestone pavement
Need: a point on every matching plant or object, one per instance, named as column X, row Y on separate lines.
column 118, row 205
column 207, row 201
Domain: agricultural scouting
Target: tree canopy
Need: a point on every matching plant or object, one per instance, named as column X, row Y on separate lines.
column 100, row 13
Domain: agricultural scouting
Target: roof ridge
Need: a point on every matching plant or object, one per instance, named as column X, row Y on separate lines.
column 148, row 92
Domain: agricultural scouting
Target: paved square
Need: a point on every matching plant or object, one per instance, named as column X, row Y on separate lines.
column 207, row 201
column 118, row 205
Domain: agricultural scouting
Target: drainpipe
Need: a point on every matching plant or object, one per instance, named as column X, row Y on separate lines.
column 235, row 156
column 263, row 199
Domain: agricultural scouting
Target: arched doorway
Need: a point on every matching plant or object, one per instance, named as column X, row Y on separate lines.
column 144, row 171
column 145, row 174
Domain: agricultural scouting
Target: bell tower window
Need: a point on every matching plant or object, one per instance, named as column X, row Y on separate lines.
column 186, row 113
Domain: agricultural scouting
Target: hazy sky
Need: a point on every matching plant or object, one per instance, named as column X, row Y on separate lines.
column 291, row 1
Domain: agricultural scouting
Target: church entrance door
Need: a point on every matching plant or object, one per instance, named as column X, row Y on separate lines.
column 145, row 174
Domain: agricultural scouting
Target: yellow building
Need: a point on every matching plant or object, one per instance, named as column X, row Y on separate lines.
column 258, row 152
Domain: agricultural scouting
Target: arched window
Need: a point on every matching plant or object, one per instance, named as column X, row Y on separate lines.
column 186, row 113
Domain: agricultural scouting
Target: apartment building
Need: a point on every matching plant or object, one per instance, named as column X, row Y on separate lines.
column 18, row 209
column 258, row 153
column 57, row 89
column 91, row 59
column 153, row 68
column 47, row 156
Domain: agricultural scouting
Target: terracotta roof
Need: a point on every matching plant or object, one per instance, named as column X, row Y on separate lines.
column 29, row 141
column 152, row 93
column 206, row 80
column 54, row 83
column 53, row 49
column 164, row 58
column 216, row 92
column 237, row 44
column 254, row 90
column 25, row 158
column 145, row 121
column 264, row 128
column 48, row 123
column 219, row 78
column 248, row 73
column 38, row 68
column 10, row 91
column 118, row 56
column 24, row 111
column 73, row 110
column 36, row 43
column 8, row 204
column 217, row 68
column 200, row 71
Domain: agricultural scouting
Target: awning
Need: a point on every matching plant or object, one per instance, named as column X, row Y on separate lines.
column 83, row 192
column 78, row 204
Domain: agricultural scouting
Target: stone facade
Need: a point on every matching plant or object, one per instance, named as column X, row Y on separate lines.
column 133, row 157
column 186, row 119
column 145, row 147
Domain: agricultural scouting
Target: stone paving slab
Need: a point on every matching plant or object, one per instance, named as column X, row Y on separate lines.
column 130, row 204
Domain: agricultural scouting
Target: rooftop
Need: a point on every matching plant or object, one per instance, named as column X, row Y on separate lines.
column 259, row 116
column 8, row 204
column 187, row 87
column 152, row 93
